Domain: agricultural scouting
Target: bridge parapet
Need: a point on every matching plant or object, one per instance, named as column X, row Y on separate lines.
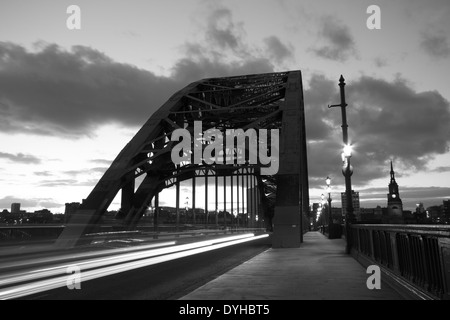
column 416, row 257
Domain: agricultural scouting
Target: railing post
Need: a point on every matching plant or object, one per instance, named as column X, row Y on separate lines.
column 371, row 243
column 418, row 255
column 444, row 250
column 395, row 257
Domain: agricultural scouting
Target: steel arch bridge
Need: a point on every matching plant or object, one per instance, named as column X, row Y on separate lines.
column 258, row 101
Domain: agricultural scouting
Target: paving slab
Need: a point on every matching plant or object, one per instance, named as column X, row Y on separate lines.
column 318, row 270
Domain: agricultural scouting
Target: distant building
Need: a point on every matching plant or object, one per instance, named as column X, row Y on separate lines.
column 435, row 214
column 378, row 212
column 315, row 210
column 15, row 208
column 356, row 206
column 446, row 210
column 336, row 214
column 394, row 203
column 42, row 216
column 409, row 217
column 368, row 215
column 372, row 215
column 421, row 213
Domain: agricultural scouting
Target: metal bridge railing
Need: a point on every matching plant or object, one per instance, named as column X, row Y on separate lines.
column 419, row 254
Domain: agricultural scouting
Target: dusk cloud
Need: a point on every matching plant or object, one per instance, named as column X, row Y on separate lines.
column 101, row 170
column 43, row 173
column 70, row 93
column 442, row 169
column 102, row 161
column 410, row 196
column 58, row 183
column 221, row 30
column 321, row 92
column 338, row 40
column 86, row 171
column 223, row 53
column 436, row 45
column 5, row 203
column 20, row 158
column 399, row 121
column 278, row 50
column 191, row 69
column 387, row 120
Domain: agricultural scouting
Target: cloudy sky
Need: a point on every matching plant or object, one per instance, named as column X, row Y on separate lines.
column 71, row 99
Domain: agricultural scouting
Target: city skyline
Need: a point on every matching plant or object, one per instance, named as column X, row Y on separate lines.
column 70, row 100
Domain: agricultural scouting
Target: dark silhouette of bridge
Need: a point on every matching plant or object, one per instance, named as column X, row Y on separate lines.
column 272, row 101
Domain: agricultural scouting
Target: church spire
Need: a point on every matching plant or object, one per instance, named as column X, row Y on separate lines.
column 392, row 173
column 395, row 205
column 393, row 186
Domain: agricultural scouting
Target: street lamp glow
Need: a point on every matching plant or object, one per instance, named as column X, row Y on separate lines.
column 347, row 169
column 347, row 151
column 328, row 181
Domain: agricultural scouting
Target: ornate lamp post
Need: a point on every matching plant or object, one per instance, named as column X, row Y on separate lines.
column 347, row 169
column 319, row 218
column 322, row 209
column 330, row 218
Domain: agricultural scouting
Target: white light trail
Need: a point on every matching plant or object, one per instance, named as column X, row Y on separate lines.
column 74, row 256
column 37, row 274
column 97, row 268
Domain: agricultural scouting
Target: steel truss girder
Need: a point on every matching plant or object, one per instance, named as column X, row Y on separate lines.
column 269, row 101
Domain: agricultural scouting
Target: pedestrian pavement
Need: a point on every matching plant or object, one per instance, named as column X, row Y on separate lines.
column 318, row 270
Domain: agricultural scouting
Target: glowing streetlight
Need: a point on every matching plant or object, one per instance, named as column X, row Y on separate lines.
column 330, row 220
column 346, row 169
column 348, row 149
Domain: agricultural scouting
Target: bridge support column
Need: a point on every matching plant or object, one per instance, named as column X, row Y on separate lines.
column 225, row 201
column 177, row 202
column 254, row 205
column 237, row 199
column 247, row 202
column 193, row 198
column 292, row 203
column 206, row 198
column 217, row 199
column 244, row 224
column 232, row 199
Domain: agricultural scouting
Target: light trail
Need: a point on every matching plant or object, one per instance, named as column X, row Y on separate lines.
column 74, row 256
column 52, row 271
column 97, row 268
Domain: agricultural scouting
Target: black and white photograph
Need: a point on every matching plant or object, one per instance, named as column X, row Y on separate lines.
column 228, row 157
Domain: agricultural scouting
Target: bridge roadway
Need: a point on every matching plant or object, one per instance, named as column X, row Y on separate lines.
column 150, row 269
column 318, row 270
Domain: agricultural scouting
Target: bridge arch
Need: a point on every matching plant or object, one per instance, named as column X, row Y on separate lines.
column 258, row 101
